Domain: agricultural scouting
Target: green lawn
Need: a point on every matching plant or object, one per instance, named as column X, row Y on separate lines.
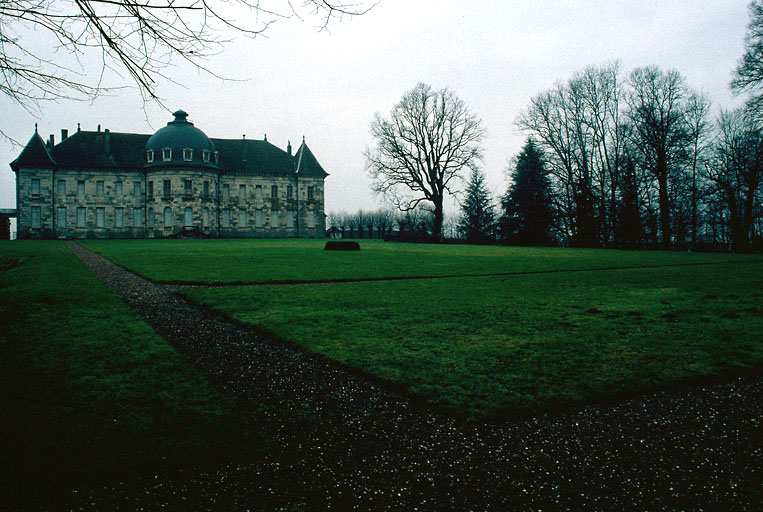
column 491, row 345
column 227, row 261
column 88, row 391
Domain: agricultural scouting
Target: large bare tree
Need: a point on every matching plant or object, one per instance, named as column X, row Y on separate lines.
column 748, row 76
column 45, row 45
column 422, row 148
column 656, row 109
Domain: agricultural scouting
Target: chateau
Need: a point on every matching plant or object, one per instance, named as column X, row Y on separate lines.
column 177, row 181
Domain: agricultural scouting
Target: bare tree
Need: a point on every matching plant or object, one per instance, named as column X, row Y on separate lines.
column 748, row 76
column 656, row 108
column 421, row 150
column 736, row 173
column 699, row 135
column 138, row 37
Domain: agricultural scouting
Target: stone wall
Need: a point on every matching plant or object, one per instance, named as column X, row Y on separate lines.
column 102, row 208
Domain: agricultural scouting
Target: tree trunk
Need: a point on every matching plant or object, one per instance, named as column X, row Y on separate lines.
column 438, row 217
column 661, row 171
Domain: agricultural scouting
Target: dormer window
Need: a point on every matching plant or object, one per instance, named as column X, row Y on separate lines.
column 166, row 155
column 205, row 156
column 150, row 155
column 216, row 158
column 187, row 154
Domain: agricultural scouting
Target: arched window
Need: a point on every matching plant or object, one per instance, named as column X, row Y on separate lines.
column 188, row 217
column 167, row 218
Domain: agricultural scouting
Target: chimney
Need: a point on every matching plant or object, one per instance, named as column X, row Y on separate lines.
column 78, row 127
column 64, row 134
column 52, row 141
column 107, row 142
column 288, row 148
column 243, row 148
column 265, row 138
column 99, row 128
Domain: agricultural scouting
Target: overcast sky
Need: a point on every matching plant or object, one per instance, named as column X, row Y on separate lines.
column 495, row 55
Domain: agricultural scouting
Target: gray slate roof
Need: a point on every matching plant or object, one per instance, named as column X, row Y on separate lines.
column 105, row 150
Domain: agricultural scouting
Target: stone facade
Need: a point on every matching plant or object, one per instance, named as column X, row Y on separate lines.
column 279, row 195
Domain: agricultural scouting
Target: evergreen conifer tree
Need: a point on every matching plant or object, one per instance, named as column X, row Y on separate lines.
column 527, row 217
column 477, row 220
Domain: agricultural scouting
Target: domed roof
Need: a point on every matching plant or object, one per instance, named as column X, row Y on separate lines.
column 187, row 145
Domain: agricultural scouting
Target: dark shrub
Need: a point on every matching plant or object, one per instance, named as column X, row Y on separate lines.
column 336, row 245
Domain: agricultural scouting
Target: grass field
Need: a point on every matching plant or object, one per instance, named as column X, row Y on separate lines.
column 228, row 261
column 88, row 391
column 490, row 345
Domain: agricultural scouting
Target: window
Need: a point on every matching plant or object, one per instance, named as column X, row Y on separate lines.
column 289, row 192
column 258, row 192
column 81, row 188
column 117, row 188
column 188, row 217
column 242, row 191
column 35, row 186
column 187, row 154
column 99, row 188
column 206, row 189
column 310, row 220
column 136, row 188
column 80, row 217
column 274, row 191
column 226, row 192
column 167, row 187
column 137, row 217
column 216, row 158
column 100, row 217
column 205, row 218
column 289, row 219
column 226, row 218
column 166, row 155
column 150, row 189
column 61, row 216
column 273, row 218
column 258, row 218
column 242, row 218
column 205, row 156
column 168, row 218
column 151, row 218
column 150, row 156
column 61, row 188
column 188, row 187
column 309, row 192
column 36, row 217
column 119, row 217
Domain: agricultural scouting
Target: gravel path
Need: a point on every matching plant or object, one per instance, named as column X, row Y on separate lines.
column 349, row 444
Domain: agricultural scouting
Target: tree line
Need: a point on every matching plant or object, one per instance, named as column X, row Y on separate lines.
column 611, row 159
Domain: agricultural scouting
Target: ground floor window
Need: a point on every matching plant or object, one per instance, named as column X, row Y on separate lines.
column 188, row 217
column 274, row 218
column 310, row 220
column 168, row 218
column 205, row 217
column 36, row 217
column 150, row 217
column 137, row 217
column 100, row 217
column 226, row 218
column 242, row 218
column 80, row 217
column 258, row 218
column 289, row 219
column 119, row 217
column 61, row 217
